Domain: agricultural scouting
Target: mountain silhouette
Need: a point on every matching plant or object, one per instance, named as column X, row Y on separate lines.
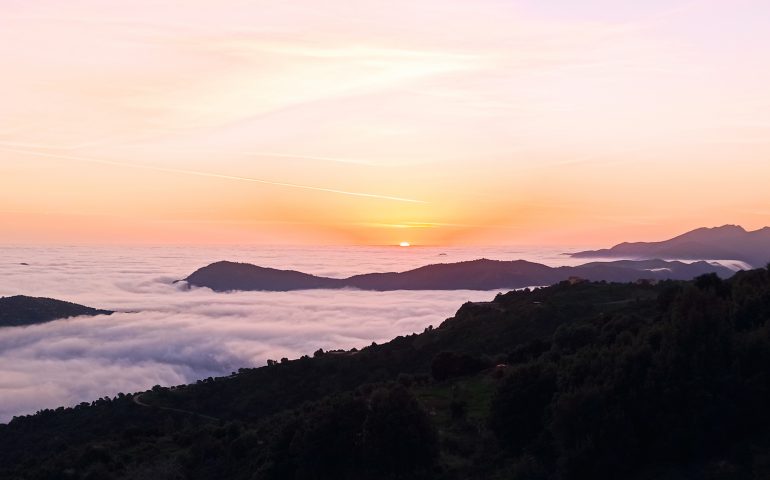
column 225, row 276
column 480, row 274
column 728, row 242
column 22, row 310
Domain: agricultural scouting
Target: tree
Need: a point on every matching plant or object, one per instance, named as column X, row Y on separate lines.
column 398, row 436
column 520, row 403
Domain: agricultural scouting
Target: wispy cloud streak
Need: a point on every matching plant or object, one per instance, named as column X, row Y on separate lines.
column 211, row 175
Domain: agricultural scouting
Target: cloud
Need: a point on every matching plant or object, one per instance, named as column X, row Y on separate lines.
column 197, row 173
column 164, row 334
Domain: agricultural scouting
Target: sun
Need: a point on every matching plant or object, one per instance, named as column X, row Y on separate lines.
column 404, row 244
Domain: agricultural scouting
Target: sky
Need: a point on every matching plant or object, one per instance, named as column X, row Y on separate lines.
column 438, row 122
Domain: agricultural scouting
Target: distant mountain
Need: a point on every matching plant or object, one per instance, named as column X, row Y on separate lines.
column 21, row 310
column 226, row 276
column 728, row 242
column 472, row 275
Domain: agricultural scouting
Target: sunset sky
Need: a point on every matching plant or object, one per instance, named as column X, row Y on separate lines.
column 373, row 122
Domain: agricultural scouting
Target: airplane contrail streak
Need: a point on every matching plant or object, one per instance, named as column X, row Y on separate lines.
column 284, row 155
column 211, row 175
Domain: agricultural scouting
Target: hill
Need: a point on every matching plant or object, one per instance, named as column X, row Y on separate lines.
column 728, row 242
column 22, row 310
column 480, row 274
column 225, row 276
column 573, row 381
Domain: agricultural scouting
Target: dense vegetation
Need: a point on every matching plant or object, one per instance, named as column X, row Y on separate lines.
column 583, row 381
column 22, row 310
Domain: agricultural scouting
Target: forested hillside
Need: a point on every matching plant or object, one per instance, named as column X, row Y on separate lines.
column 573, row 381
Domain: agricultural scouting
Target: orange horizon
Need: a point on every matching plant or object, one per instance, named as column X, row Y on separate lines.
column 366, row 124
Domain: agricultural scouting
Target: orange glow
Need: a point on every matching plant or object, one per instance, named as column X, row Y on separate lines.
column 267, row 123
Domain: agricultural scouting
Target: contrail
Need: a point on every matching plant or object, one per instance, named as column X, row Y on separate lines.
column 284, row 155
column 212, row 175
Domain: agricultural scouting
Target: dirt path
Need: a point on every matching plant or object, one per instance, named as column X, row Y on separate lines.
column 138, row 400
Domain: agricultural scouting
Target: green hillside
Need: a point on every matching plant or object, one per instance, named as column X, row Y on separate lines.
column 574, row 381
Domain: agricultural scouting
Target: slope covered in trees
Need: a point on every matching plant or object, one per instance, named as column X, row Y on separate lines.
column 591, row 380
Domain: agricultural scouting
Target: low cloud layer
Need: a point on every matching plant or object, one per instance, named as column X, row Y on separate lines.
column 164, row 334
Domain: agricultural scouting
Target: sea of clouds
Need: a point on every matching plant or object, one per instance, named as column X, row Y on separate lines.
column 164, row 333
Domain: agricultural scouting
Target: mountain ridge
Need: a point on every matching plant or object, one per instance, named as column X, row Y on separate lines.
column 727, row 242
column 480, row 274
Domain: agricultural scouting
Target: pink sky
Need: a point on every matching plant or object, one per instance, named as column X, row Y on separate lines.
column 374, row 122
